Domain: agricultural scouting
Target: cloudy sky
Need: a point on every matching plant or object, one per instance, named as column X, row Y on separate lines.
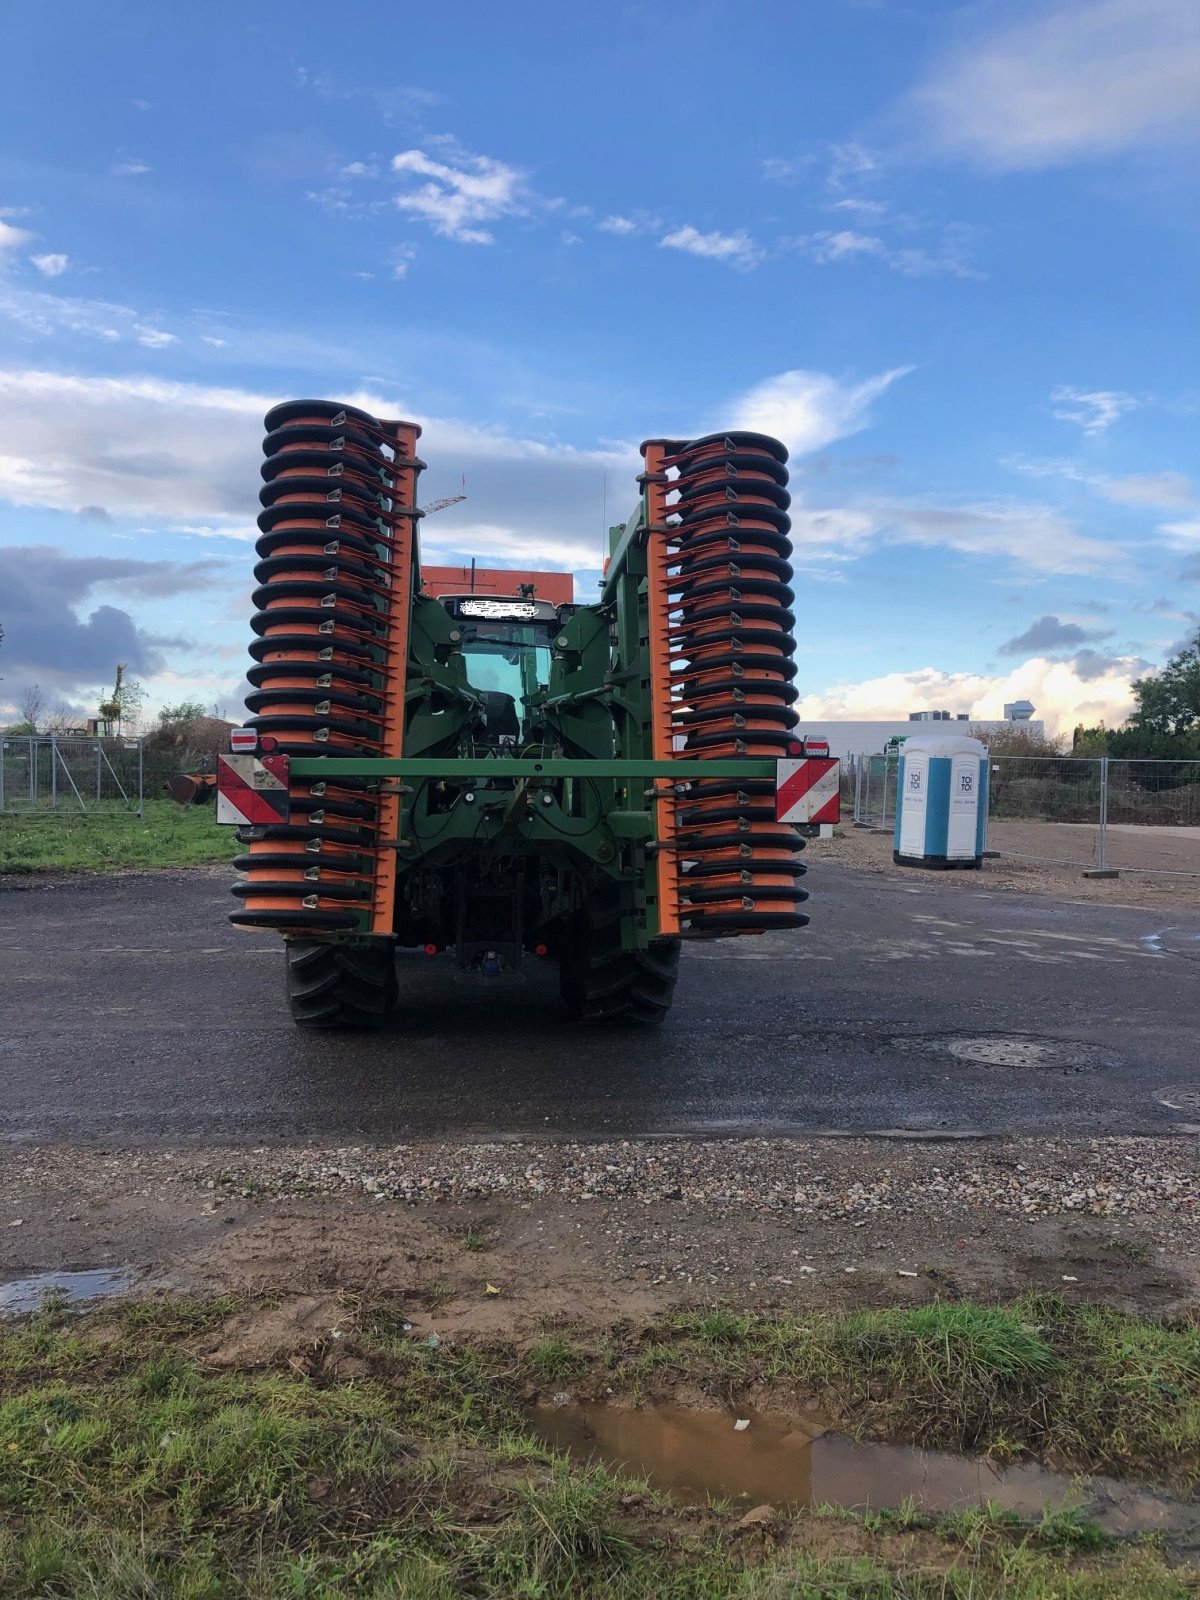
column 947, row 252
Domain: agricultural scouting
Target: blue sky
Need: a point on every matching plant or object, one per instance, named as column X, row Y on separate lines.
column 949, row 253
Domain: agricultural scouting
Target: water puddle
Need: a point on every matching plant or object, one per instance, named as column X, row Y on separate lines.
column 27, row 1294
column 695, row 1456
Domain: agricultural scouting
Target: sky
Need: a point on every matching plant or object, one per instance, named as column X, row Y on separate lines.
column 947, row 252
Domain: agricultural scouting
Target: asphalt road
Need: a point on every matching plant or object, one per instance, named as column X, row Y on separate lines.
column 131, row 1012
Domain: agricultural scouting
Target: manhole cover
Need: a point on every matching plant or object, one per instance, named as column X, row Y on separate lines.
column 1003, row 1052
column 1180, row 1099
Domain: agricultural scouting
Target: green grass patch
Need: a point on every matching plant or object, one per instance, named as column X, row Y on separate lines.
column 76, row 841
column 128, row 1467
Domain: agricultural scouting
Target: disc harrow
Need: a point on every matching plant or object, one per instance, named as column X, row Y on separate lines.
column 335, row 558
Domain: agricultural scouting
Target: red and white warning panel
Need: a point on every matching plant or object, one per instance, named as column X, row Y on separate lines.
column 808, row 789
column 252, row 790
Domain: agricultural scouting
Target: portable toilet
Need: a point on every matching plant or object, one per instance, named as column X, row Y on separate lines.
column 941, row 802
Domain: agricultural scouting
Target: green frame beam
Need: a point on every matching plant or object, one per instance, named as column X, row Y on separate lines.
column 525, row 767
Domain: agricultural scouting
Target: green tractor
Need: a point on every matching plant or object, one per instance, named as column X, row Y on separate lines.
column 500, row 777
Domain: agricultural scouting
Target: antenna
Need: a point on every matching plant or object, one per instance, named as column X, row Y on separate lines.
column 604, row 521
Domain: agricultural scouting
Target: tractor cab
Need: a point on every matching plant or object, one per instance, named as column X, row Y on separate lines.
column 507, row 644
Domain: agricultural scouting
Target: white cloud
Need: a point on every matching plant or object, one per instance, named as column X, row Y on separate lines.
column 874, row 209
column 51, row 266
column 736, row 249
column 460, row 197
column 845, row 244
column 785, row 169
column 211, row 338
column 1080, row 80
column 1165, row 490
column 130, row 169
column 359, row 169
column 401, row 257
column 1035, row 537
column 1151, row 489
column 617, row 225
column 808, row 410
column 11, row 237
column 848, row 161
column 185, row 458
column 1183, row 535
column 154, row 338
column 835, row 246
column 1064, row 693
column 1094, row 410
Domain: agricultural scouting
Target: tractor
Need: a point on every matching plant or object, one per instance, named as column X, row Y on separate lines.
column 495, row 778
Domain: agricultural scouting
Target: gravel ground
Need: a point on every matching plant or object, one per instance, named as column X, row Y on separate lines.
column 859, row 847
column 1029, row 1178
column 818, row 1178
column 507, row 1239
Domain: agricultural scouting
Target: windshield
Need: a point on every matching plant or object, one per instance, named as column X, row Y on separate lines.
column 510, row 659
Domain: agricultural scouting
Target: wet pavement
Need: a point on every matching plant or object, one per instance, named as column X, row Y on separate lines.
column 132, row 1012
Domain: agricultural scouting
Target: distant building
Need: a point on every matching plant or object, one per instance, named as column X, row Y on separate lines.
column 869, row 738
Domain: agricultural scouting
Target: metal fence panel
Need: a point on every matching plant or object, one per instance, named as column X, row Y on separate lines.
column 48, row 773
column 1045, row 808
column 1153, row 816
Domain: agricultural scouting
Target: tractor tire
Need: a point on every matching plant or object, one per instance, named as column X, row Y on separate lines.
column 335, row 985
column 602, row 984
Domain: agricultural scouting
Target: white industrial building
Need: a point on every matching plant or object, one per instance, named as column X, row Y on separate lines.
column 869, row 738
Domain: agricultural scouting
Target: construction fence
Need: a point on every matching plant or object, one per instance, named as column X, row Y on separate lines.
column 1090, row 812
column 56, row 772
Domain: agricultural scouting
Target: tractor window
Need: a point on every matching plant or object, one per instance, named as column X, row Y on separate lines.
column 508, row 658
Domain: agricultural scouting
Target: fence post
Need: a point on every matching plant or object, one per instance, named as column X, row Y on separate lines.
column 883, row 814
column 97, row 772
column 31, row 763
column 3, row 747
column 53, row 772
column 857, row 790
column 140, row 806
column 1102, row 868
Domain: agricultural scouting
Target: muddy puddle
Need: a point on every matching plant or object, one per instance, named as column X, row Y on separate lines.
column 27, row 1294
column 697, row 1456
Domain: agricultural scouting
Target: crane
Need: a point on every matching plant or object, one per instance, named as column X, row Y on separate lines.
column 440, row 505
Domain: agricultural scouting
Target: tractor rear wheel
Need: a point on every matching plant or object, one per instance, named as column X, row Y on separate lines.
column 602, row 983
column 332, row 985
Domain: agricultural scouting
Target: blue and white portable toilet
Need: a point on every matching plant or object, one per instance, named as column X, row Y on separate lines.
column 941, row 802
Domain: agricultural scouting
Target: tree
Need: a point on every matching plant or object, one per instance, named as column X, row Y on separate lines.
column 170, row 717
column 124, row 704
column 32, row 706
column 1017, row 739
column 1169, row 703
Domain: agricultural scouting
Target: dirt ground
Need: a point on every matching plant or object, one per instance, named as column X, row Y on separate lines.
column 1067, row 848
column 899, row 1224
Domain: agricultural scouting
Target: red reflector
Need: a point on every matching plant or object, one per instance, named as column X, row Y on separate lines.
column 268, row 742
column 243, row 739
column 539, row 949
column 795, row 748
column 431, row 949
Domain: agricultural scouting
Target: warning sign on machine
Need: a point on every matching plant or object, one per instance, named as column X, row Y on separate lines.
column 808, row 789
column 252, row 790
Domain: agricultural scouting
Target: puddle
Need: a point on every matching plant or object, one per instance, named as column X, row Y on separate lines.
column 27, row 1294
column 700, row 1455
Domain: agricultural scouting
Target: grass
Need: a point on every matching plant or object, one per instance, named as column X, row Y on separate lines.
column 75, row 841
column 1084, row 1385
column 130, row 1468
